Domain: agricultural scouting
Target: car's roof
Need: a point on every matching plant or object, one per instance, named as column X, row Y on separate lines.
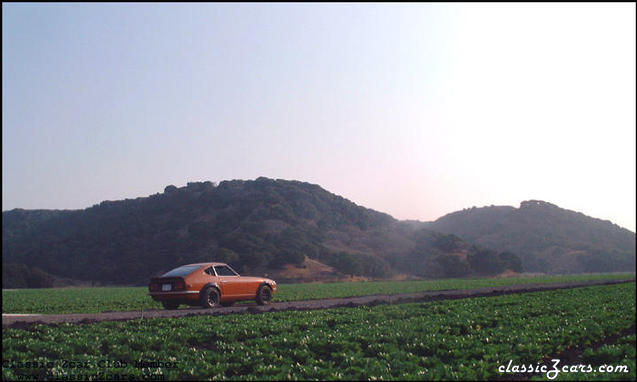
column 202, row 264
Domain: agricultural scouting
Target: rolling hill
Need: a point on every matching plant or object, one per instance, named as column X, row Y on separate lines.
column 261, row 226
column 295, row 231
column 546, row 237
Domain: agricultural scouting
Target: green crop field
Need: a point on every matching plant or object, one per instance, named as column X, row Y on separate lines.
column 622, row 352
column 94, row 300
column 453, row 339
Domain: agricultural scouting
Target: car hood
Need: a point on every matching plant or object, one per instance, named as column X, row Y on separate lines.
column 259, row 279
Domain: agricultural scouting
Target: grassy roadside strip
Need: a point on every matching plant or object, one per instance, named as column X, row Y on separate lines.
column 97, row 300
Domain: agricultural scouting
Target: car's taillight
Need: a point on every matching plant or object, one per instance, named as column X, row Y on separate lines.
column 154, row 287
column 180, row 285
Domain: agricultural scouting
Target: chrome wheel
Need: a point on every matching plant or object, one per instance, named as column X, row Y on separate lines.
column 212, row 299
column 264, row 295
column 209, row 297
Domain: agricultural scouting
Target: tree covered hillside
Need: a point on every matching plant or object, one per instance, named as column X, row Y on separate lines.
column 546, row 237
column 256, row 226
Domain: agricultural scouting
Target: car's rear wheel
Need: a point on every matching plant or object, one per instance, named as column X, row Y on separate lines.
column 170, row 305
column 209, row 297
column 264, row 295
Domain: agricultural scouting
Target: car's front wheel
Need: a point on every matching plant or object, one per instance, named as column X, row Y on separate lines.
column 264, row 295
column 170, row 305
column 209, row 297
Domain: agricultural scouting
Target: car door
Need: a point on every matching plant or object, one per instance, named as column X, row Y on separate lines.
column 229, row 281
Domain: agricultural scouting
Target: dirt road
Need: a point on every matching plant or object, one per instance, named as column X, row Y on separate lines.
column 24, row 321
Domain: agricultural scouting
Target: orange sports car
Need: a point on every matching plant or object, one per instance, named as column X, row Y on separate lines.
column 208, row 285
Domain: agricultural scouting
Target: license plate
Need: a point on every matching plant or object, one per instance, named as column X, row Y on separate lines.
column 166, row 287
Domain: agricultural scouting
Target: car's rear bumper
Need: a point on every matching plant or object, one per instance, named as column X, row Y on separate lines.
column 190, row 295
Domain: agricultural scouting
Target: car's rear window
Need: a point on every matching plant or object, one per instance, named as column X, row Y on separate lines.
column 181, row 271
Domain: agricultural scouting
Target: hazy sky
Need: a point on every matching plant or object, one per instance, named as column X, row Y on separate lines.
column 415, row 110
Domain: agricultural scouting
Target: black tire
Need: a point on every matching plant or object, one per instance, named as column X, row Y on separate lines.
column 227, row 304
column 170, row 305
column 209, row 297
column 264, row 295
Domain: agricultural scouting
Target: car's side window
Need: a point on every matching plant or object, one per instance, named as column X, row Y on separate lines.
column 224, row 271
column 210, row 271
